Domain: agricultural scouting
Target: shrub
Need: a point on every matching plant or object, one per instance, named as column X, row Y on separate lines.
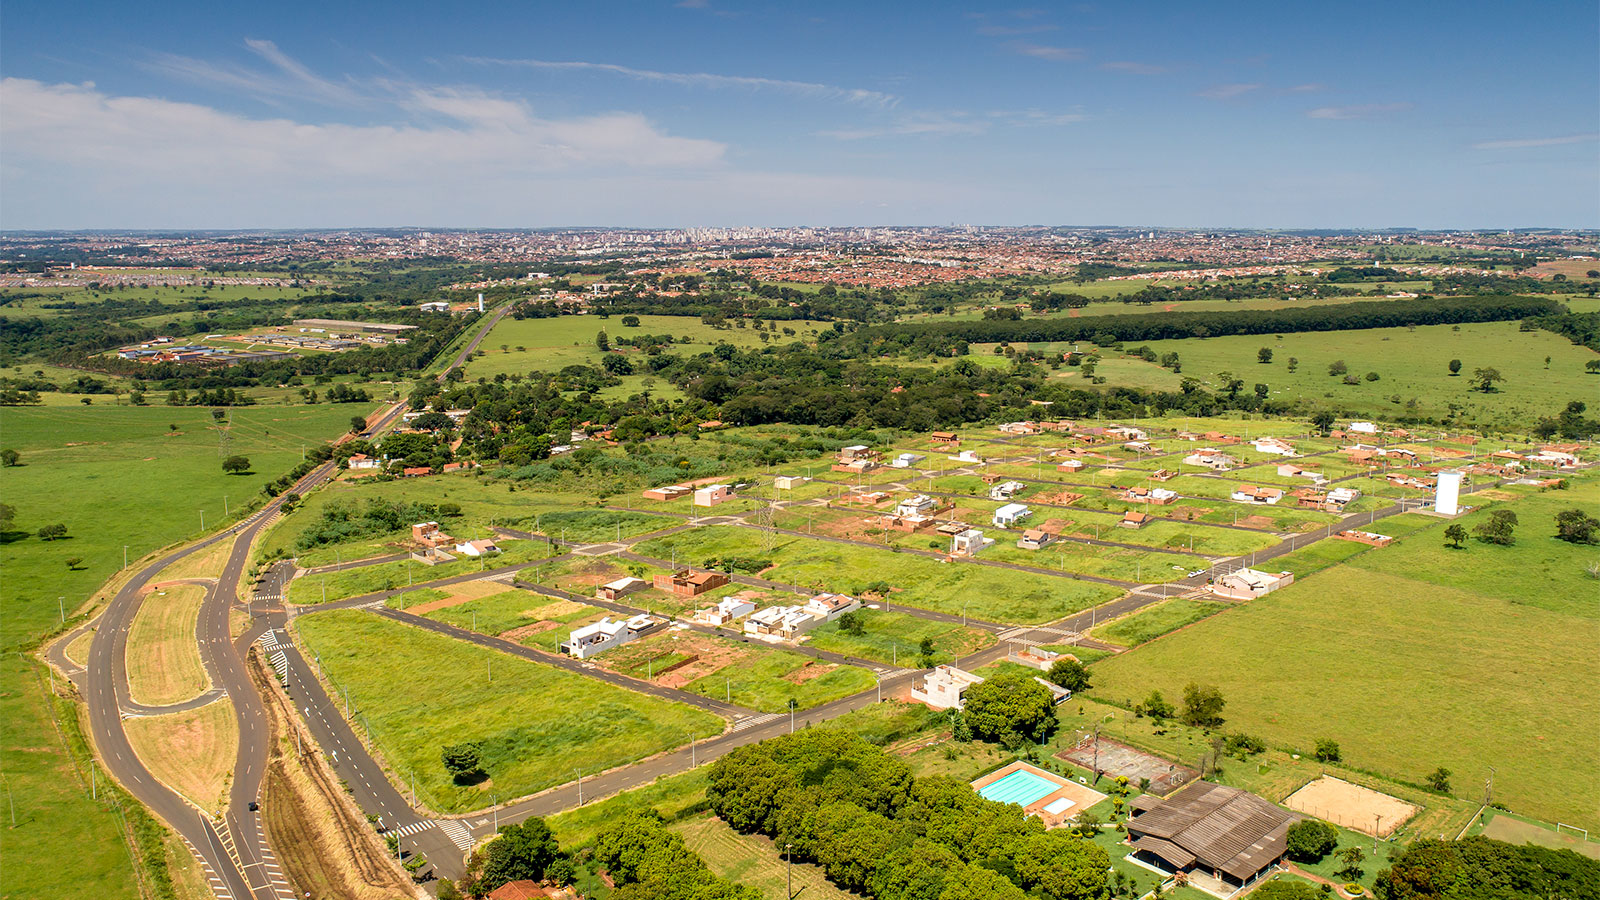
column 1309, row 840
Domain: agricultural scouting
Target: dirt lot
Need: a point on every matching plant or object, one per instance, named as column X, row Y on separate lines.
column 713, row 655
column 1351, row 805
column 1120, row 759
column 461, row 593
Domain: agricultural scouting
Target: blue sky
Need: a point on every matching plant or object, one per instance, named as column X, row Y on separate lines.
column 711, row 112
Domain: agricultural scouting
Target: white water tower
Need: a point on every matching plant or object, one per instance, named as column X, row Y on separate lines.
column 1446, row 501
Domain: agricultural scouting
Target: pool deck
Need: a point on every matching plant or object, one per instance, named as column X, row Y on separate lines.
column 1080, row 796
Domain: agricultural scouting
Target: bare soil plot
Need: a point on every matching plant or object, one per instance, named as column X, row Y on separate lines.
column 461, row 593
column 191, row 752
column 1118, row 759
column 163, row 657
column 1351, row 806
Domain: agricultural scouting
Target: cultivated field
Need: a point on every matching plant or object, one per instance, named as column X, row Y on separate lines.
column 536, row 724
column 1490, row 646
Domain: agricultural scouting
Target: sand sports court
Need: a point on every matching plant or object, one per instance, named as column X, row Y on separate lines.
column 1351, row 806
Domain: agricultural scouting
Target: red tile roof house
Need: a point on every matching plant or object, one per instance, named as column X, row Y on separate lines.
column 416, row 471
column 689, row 583
column 428, row 534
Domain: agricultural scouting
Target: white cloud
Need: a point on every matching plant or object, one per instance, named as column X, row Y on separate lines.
column 1134, row 68
column 1044, row 51
column 704, row 80
column 288, row 78
column 1358, row 111
column 1522, row 143
column 114, row 138
column 1014, row 30
column 1228, row 91
column 1308, row 88
column 921, row 123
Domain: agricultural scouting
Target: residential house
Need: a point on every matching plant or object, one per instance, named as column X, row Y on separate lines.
column 945, row 438
column 1127, row 433
column 1363, row 428
column 363, row 461
column 1020, row 428
column 1222, row 838
column 431, row 556
column 416, row 471
column 1217, row 437
column 968, row 543
column 786, row 622
column 1162, row 475
column 1070, row 465
column 788, row 482
column 827, row 607
column 1158, row 496
column 1005, row 490
column 1399, row 479
column 670, row 492
column 942, row 687
column 1249, row 493
column 1210, row 458
column 906, row 460
column 476, row 549
column 1365, row 537
column 1034, row 538
column 920, row 505
column 1009, row 515
column 1551, row 456
column 622, row 587
column 966, row 456
column 712, row 494
column 427, row 534
column 1274, row 445
column 728, row 609
column 1248, row 584
column 1137, row 446
column 689, row 583
column 1132, row 519
column 598, row 637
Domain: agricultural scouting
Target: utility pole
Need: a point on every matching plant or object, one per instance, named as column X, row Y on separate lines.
column 62, row 608
column 788, row 873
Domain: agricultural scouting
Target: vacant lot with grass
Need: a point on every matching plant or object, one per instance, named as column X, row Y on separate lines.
column 1492, row 647
column 1154, row 621
column 1410, row 363
column 163, row 658
column 536, row 724
column 892, row 637
column 191, row 752
column 984, row 592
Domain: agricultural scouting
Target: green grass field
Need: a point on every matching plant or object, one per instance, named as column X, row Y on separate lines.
column 550, row 344
column 984, row 592
column 1410, row 363
column 119, row 476
column 537, row 724
column 1491, row 647
column 1154, row 621
column 894, row 638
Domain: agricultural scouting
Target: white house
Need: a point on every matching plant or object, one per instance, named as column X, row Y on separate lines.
column 363, row 461
column 712, row 494
column 1009, row 515
column 966, row 456
column 906, row 460
column 969, row 543
column 788, row 622
column 1005, row 490
column 788, row 482
column 827, row 607
column 477, row 548
column 1127, row 433
column 1363, row 427
column 728, row 609
column 1210, row 459
column 1274, row 445
column 942, row 688
column 915, row 506
column 1249, row 493
column 601, row 636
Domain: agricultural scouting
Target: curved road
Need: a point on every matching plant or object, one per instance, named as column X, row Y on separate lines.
column 233, row 850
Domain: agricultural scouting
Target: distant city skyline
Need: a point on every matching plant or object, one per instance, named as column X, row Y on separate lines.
column 712, row 113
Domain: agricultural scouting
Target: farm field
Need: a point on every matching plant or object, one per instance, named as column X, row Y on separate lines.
column 1477, row 642
column 120, row 476
column 984, row 592
column 420, row 700
column 550, row 344
column 1410, row 363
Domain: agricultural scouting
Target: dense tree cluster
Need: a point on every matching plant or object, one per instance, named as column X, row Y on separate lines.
column 946, row 337
column 649, row 861
column 875, row 829
column 525, row 850
column 1478, row 868
column 341, row 521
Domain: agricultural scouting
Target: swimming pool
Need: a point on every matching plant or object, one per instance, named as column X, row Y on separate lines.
column 1020, row 787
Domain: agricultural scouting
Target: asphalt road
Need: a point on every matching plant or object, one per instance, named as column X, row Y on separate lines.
column 233, row 850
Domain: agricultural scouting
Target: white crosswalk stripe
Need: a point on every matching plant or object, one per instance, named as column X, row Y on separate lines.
column 458, row 833
column 755, row 720
column 413, row 828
